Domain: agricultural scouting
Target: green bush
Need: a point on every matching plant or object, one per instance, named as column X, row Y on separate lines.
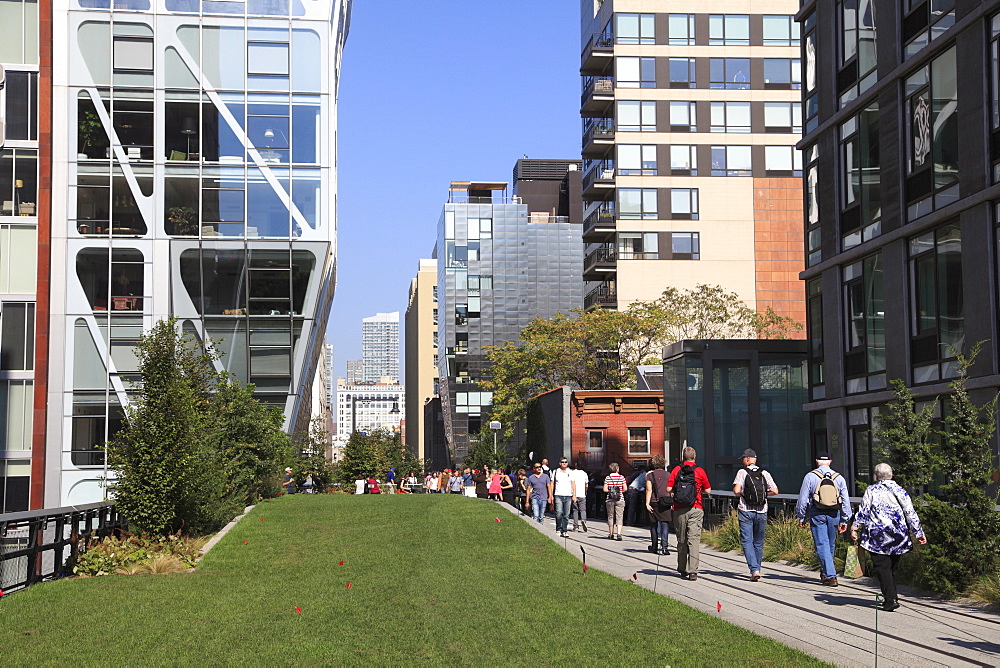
column 112, row 555
column 725, row 536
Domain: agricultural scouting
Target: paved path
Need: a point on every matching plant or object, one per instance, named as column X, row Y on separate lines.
column 789, row 605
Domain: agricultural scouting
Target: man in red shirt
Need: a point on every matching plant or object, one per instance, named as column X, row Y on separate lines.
column 687, row 483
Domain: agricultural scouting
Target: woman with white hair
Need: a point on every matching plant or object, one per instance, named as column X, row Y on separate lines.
column 885, row 519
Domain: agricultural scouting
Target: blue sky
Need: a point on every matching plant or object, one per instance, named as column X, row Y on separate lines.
column 434, row 92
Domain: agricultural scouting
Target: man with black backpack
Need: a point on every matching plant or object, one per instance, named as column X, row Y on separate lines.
column 825, row 503
column 753, row 485
column 687, row 483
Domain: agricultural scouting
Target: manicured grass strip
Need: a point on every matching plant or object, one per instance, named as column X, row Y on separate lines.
column 434, row 579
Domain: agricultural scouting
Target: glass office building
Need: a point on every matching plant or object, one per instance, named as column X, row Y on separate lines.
column 194, row 175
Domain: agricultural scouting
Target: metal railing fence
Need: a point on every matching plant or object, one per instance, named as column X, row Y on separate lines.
column 42, row 544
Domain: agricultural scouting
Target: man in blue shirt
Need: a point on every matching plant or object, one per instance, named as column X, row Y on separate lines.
column 827, row 513
column 539, row 494
column 390, row 480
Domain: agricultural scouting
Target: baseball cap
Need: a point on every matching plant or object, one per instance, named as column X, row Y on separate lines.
column 749, row 453
column 288, row 469
column 823, row 455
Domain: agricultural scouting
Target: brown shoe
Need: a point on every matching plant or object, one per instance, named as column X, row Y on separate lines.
column 755, row 577
column 692, row 576
column 830, row 582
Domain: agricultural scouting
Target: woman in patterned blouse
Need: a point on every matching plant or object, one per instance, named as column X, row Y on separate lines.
column 886, row 518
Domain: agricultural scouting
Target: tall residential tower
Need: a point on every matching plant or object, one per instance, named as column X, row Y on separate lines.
column 691, row 111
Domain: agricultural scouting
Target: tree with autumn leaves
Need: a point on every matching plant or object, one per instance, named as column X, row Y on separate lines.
column 600, row 349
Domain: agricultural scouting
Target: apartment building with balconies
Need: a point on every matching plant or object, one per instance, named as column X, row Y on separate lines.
column 691, row 112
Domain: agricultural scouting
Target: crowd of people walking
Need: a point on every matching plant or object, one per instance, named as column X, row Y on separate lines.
column 885, row 524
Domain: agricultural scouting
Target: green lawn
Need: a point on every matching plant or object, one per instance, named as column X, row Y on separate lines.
column 434, row 579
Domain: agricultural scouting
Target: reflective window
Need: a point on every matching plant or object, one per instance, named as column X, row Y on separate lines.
column 938, row 300
column 15, row 479
column 731, row 161
column 19, row 19
column 637, row 203
column 932, row 122
column 861, row 214
column 730, row 73
column 783, row 117
column 636, row 160
column 17, row 336
column 683, row 116
column 18, row 182
column 729, row 29
column 857, row 48
column 684, row 203
column 813, row 233
column 682, row 73
column 864, row 356
column 681, row 29
column 21, row 90
column 638, row 246
column 925, row 21
column 116, row 280
column 780, row 30
column 18, row 249
column 635, row 72
column 638, row 440
column 635, row 116
column 730, row 116
column 809, row 72
column 683, row 160
column 814, row 321
column 782, row 161
column 634, row 29
column 782, row 73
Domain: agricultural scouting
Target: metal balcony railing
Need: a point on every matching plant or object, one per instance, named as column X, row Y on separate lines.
column 603, row 255
column 598, row 170
column 604, row 215
column 597, row 86
column 598, row 128
column 603, row 295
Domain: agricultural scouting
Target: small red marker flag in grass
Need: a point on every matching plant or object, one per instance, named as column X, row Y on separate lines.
column 340, row 563
column 718, row 606
column 298, row 610
column 348, row 585
column 1, row 593
column 244, row 542
column 635, row 576
column 261, row 519
column 585, row 568
column 497, row 519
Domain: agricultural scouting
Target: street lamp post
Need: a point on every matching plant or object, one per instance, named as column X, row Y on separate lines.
column 495, row 426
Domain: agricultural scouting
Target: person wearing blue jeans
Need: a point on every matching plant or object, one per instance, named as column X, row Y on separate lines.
column 563, row 489
column 753, row 514
column 538, row 493
column 827, row 511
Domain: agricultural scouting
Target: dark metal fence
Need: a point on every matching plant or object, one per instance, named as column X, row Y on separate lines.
column 720, row 503
column 42, row 544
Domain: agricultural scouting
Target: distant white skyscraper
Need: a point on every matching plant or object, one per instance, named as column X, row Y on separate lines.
column 331, row 380
column 380, row 347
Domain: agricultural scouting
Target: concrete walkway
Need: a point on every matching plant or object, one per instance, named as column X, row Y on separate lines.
column 835, row 624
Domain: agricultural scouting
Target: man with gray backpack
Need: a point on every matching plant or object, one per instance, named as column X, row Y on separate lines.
column 824, row 502
column 752, row 486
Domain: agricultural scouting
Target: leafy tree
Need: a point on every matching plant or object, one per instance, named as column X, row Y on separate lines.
column 196, row 446
column 600, row 349
column 364, row 456
column 904, row 436
column 311, row 460
column 958, row 515
column 482, row 452
column 163, row 473
column 250, row 442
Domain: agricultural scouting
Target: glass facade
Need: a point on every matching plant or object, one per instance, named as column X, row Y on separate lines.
column 501, row 267
column 200, row 183
column 754, row 401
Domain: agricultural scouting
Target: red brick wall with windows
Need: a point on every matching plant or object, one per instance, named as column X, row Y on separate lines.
column 612, row 413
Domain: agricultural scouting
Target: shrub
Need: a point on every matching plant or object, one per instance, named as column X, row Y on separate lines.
column 987, row 589
column 726, row 536
column 126, row 554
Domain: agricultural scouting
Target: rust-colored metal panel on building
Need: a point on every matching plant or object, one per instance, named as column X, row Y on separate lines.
column 778, row 244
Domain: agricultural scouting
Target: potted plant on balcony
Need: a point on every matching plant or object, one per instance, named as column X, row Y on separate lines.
column 183, row 221
column 90, row 132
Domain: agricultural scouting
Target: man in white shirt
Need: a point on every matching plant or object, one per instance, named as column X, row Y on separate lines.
column 753, row 485
column 359, row 486
column 581, row 480
column 562, row 489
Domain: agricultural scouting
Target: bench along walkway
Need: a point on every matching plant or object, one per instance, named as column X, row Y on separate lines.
column 835, row 624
